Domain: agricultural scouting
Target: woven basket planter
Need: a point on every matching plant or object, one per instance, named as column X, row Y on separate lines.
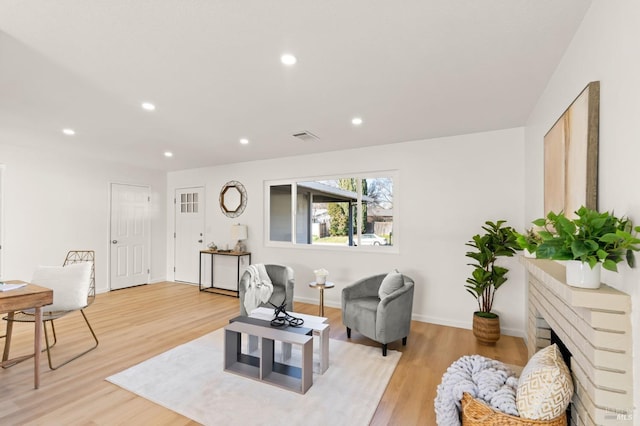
column 486, row 330
column 476, row 413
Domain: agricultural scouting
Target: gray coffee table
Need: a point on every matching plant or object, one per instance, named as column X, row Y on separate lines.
column 320, row 327
column 263, row 367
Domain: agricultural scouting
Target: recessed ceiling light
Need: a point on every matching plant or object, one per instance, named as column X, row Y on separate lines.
column 356, row 121
column 168, row 154
column 288, row 59
column 69, row 132
column 148, row 106
column 244, row 141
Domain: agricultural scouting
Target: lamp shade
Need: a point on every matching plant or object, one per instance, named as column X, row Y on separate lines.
column 238, row 232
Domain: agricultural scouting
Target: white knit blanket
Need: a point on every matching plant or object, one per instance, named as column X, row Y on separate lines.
column 259, row 287
column 483, row 378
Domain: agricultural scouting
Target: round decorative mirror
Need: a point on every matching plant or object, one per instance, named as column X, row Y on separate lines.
column 233, row 198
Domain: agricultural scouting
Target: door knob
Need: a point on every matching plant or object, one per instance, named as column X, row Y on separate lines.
column 114, row 242
column 199, row 241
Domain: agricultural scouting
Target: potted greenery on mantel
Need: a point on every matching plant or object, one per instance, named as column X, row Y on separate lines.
column 588, row 242
column 487, row 277
column 529, row 242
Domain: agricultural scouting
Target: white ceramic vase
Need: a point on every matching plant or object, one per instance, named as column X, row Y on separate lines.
column 580, row 274
column 321, row 275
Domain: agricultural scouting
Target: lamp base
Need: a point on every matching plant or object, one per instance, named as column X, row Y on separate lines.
column 240, row 247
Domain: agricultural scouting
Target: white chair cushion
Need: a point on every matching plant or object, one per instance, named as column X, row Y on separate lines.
column 70, row 285
column 392, row 282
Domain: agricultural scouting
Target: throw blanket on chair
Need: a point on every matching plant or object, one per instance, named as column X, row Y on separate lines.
column 259, row 287
column 483, row 378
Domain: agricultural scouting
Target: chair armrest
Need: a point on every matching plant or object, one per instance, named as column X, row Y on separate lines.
column 289, row 293
column 393, row 319
column 366, row 287
column 398, row 296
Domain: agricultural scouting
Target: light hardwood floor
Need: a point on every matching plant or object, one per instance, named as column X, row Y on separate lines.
column 137, row 323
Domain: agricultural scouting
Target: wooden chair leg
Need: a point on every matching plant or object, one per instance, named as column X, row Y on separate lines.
column 6, row 362
column 7, row 340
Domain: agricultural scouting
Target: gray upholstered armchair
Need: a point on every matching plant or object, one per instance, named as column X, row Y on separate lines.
column 383, row 319
column 282, row 279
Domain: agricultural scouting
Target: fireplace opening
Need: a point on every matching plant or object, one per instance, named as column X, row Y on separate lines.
column 566, row 356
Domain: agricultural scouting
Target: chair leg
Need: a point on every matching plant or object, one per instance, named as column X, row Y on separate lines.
column 384, row 349
column 7, row 340
column 6, row 362
column 348, row 333
column 46, row 338
column 53, row 328
column 404, row 341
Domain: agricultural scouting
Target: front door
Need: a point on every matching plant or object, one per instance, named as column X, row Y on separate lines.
column 189, row 233
column 130, row 243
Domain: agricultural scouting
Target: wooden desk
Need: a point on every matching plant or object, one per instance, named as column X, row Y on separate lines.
column 29, row 297
column 212, row 288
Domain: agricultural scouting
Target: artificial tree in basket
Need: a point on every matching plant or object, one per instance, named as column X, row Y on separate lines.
column 487, row 277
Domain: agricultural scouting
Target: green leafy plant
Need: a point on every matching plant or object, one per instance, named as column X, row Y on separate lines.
column 487, row 277
column 591, row 237
column 529, row 240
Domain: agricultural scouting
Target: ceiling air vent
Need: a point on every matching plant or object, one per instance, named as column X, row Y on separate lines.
column 306, row 136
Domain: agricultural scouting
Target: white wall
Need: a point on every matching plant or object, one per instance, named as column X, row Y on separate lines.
column 605, row 48
column 54, row 203
column 447, row 189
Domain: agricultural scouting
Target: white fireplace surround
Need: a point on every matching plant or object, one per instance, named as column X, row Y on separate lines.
column 595, row 326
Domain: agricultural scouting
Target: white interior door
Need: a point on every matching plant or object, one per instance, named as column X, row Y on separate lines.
column 130, row 240
column 189, row 233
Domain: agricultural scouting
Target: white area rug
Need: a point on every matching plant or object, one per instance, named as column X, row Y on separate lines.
column 189, row 379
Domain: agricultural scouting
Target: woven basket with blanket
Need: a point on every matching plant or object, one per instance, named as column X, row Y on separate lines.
column 480, row 391
column 476, row 413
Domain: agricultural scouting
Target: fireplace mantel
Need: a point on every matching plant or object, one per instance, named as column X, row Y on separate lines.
column 595, row 325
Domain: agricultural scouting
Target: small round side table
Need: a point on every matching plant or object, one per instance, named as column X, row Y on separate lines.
column 327, row 284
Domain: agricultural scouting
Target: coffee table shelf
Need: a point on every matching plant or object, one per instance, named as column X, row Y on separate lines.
column 320, row 327
column 264, row 368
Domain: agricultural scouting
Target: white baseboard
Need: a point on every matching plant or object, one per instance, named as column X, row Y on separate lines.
column 424, row 318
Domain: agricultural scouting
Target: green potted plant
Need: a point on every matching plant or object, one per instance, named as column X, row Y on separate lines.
column 487, row 277
column 528, row 242
column 587, row 242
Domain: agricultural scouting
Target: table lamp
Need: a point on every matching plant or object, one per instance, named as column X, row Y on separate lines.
column 239, row 233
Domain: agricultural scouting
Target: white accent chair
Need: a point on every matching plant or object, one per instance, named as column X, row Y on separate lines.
column 73, row 286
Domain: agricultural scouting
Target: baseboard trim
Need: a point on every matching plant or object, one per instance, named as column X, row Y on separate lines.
column 424, row 318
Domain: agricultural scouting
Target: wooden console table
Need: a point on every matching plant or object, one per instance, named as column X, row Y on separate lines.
column 212, row 288
column 29, row 297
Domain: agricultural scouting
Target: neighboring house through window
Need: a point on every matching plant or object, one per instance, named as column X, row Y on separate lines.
column 347, row 212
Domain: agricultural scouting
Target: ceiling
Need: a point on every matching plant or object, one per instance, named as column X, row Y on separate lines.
column 411, row 69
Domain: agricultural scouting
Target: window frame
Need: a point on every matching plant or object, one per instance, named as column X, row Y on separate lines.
column 391, row 249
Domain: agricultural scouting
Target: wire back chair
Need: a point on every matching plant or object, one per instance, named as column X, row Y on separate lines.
column 73, row 257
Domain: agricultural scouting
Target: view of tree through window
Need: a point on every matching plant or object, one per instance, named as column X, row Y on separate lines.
column 352, row 211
